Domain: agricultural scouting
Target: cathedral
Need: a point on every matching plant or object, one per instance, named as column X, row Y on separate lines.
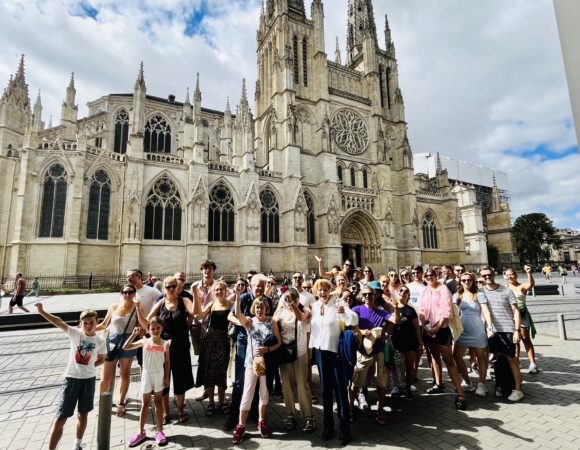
column 319, row 165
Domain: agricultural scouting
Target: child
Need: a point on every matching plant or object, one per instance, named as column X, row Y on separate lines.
column 87, row 351
column 154, row 378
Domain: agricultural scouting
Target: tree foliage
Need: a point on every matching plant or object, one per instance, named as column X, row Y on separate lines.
column 493, row 256
column 534, row 234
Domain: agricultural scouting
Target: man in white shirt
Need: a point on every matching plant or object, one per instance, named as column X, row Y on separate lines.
column 146, row 295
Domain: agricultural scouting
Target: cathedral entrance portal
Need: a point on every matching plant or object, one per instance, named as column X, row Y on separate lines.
column 360, row 239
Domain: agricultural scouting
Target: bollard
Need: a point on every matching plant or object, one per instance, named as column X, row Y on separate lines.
column 562, row 290
column 562, row 327
column 533, row 292
column 104, row 422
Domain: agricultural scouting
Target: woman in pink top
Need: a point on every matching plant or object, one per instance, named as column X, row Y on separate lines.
column 435, row 311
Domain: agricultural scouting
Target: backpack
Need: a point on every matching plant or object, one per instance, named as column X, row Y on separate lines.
column 504, row 378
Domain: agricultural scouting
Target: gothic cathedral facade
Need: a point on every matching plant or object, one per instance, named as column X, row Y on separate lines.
column 323, row 166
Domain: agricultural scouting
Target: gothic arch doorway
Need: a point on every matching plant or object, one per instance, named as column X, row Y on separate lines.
column 360, row 239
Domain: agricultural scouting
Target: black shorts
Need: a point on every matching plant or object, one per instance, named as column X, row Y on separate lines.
column 443, row 337
column 502, row 343
column 16, row 300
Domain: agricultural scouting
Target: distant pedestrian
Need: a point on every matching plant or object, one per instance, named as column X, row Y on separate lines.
column 547, row 271
column 87, row 351
column 574, row 269
column 563, row 274
column 18, row 295
column 35, row 288
column 154, row 378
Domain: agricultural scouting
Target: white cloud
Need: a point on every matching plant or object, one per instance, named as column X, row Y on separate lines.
column 478, row 78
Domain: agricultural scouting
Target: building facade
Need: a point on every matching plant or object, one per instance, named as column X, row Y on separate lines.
column 323, row 166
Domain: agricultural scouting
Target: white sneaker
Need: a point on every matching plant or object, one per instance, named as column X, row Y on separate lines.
column 467, row 387
column 481, row 390
column 533, row 369
column 414, row 388
column 78, row 446
column 516, row 396
column 362, row 402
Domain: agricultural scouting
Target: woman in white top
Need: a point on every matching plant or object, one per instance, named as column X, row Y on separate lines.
column 121, row 319
column 324, row 338
column 527, row 329
column 293, row 326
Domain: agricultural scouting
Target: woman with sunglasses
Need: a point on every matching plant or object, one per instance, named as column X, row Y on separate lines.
column 405, row 276
column 120, row 320
column 368, row 276
column 472, row 304
column 174, row 311
column 435, row 311
column 394, row 283
column 527, row 329
column 407, row 338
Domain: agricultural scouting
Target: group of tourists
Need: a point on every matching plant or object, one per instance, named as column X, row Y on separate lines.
column 356, row 327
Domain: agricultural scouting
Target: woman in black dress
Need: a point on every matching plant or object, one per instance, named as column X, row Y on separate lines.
column 174, row 310
column 215, row 348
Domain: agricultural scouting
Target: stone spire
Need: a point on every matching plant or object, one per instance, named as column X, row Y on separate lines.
column 197, row 100
column 139, row 98
column 37, row 124
column 69, row 110
column 439, row 166
column 361, row 25
column 495, row 199
column 187, row 108
column 15, row 95
column 337, row 58
column 388, row 37
column 227, row 114
column 243, row 116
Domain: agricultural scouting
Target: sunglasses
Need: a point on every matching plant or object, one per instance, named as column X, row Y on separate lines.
column 368, row 294
column 459, row 270
column 487, row 275
column 128, row 292
column 297, row 278
column 403, row 291
column 429, row 275
column 416, row 273
column 348, row 265
column 171, row 286
column 367, row 271
column 466, row 280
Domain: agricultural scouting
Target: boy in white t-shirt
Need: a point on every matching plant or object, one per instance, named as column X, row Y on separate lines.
column 87, row 351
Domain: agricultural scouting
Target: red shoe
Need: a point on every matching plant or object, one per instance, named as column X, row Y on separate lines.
column 239, row 434
column 263, row 428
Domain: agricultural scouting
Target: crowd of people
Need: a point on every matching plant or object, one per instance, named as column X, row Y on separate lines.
column 359, row 329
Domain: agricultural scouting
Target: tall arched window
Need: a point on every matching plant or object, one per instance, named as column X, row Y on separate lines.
column 221, row 214
column 365, row 175
column 270, row 215
column 305, row 62
column 99, row 204
column 163, row 212
column 295, row 59
column 121, row 132
column 429, row 231
column 352, row 176
column 310, row 219
column 157, row 135
column 339, row 173
column 53, row 202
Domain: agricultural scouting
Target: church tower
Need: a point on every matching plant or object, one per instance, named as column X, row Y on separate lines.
column 15, row 112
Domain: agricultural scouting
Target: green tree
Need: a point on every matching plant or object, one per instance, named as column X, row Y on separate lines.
column 493, row 256
column 534, row 234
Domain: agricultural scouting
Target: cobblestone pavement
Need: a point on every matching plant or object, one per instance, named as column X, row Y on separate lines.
column 32, row 362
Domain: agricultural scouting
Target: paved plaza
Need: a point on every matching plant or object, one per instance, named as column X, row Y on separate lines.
column 32, row 362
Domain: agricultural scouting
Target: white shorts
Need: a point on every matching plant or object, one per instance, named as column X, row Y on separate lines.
column 152, row 381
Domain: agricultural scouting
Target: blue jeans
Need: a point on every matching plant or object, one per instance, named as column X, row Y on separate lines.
column 332, row 380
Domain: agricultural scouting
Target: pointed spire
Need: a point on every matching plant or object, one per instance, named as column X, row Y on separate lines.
column 38, row 99
column 37, row 114
column 244, row 92
column 388, row 38
column 187, row 101
column 495, row 199
column 439, row 166
column 20, row 71
column 72, row 80
column 140, row 82
column 361, row 24
column 337, row 57
column 227, row 113
column 50, row 121
column 197, row 92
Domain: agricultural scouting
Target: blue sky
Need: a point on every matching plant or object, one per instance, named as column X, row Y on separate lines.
column 482, row 81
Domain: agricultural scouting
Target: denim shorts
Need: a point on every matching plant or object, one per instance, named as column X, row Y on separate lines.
column 118, row 339
column 73, row 390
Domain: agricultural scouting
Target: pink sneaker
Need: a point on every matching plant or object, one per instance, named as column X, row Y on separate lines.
column 160, row 438
column 137, row 439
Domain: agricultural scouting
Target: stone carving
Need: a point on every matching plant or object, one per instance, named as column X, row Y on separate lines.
column 350, row 131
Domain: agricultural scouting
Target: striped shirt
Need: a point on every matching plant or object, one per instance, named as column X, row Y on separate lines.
column 499, row 301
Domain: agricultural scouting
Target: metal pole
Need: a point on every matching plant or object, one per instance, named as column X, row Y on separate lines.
column 533, row 291
column 562, row 290
column 104, row 421
column 562, row 327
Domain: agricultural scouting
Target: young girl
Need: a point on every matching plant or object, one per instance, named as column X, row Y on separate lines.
column 154, row 378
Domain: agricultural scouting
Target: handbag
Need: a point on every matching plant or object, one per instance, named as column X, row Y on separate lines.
column 455, row 325
column 286, row 353
column 113, row 354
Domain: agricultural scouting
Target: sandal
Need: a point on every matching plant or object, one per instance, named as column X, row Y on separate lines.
column 310, row 427
column 210, row 411
column 290, row 423
column 460, row 403
column 381, row 417
column 121, row 409
column 435, row 389
column 224, row 408
column 182, row 417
